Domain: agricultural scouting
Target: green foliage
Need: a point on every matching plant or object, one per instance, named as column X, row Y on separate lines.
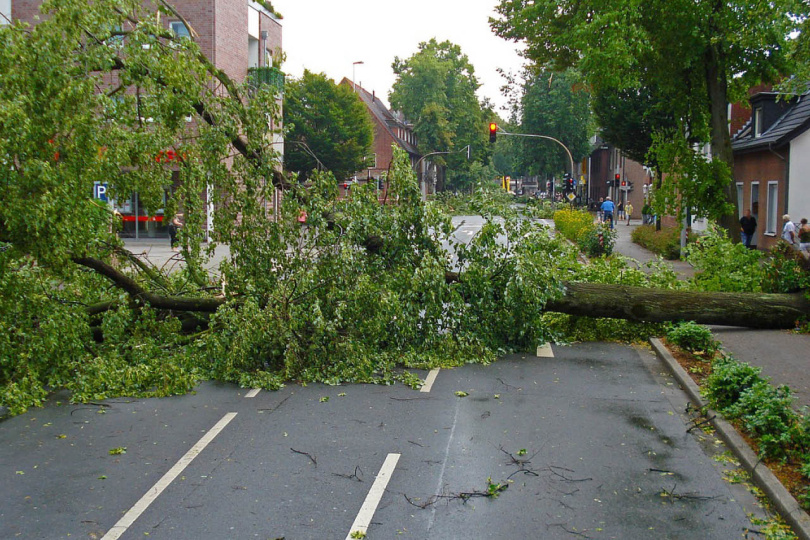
column 728, row 380
column 329, row 121
column 723, row 265
column 785, row 270
column 436, row 90
column 666, row 242
column 578, row 226
column 693, row 337
column 767, row 413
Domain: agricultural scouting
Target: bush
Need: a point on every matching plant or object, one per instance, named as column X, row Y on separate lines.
column 785, row 270
column 597, row 241
column 692, row 337
column 767, row 413
column 728, row 380
column 573, row 223
column 666, row 242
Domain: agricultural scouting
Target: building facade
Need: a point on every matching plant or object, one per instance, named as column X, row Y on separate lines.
column 771, row 160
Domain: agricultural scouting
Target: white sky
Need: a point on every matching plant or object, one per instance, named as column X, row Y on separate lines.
column 329, row 35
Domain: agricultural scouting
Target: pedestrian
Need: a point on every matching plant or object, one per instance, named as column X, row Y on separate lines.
column 620, row 211
column 607, row 209
column 599, row 213
column 788, row 230
column 804, row 235
column 175, row 225
column 748, row 226
column 645, row 213
column 629, row 211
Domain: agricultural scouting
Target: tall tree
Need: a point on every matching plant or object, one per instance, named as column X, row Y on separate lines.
column 436, row 89
column 326, row 122
column 555, row 105
column 698, row 54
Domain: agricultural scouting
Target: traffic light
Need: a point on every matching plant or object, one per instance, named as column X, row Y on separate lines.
column 493, row 131
column 624, row 184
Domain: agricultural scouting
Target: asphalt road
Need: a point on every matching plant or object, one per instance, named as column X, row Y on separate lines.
column 591, row 443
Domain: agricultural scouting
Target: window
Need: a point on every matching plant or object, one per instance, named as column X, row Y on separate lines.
column 179, row 29
column 755, row 199
column 740, row 201
column 770, row 226
column 758, row 122
column 5, row 11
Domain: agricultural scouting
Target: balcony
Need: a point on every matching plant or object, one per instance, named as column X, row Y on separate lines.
column 266, row 75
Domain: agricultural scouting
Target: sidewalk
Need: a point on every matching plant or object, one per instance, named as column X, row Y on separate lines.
column 782, row 355
column 158, row 252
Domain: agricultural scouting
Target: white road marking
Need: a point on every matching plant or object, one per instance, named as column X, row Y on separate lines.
column 253, row 393
column 429, row 380
column 444, row 465
column 544, row 351
column 140, row 507
column 363, row 519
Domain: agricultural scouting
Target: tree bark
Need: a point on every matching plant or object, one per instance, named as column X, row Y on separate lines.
column 639, row 304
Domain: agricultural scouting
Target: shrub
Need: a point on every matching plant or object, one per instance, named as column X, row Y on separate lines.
column 597, row 241
column 767, row 413
column 692, row 337
column 728, row 380
column 785, row 270
column 573, row 223
column 666, row 242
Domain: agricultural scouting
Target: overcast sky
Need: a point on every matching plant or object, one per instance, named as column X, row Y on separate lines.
column 329, row 35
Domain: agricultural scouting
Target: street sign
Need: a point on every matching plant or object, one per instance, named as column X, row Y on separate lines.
column 571, row 197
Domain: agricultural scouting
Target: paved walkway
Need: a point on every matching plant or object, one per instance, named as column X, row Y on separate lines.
column 782, row 354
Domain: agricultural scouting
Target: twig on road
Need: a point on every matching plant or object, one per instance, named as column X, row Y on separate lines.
column 310, row 456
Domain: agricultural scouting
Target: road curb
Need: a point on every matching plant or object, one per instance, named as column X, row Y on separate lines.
column 779, row 496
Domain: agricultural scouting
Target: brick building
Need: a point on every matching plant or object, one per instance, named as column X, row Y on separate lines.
column 771, row 162
column 606, row 163
column 240, row 37
column 390, row 128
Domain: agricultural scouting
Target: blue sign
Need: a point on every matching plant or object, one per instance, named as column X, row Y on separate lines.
column 100, row 191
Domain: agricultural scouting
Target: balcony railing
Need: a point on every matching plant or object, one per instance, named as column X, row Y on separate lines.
column 266, row 75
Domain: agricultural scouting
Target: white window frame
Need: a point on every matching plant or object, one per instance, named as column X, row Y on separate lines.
column 754, row 189
column 740, row 200
column 771, row 219
column 758, row 122
column 179, row 29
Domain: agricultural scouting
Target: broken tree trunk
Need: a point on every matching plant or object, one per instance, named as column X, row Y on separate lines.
column 640, row 304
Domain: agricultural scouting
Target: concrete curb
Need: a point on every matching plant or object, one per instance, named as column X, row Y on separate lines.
column 779, row 496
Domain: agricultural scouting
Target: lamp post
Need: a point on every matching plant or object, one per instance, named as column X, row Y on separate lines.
column 354, row 81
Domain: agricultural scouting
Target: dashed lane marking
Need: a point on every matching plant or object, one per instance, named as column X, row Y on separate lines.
column 363, row 519
column 429, row 380
column 253, row 393
column 544, row 351
column 140, row 507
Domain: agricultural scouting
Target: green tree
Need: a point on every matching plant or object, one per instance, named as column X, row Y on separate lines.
column 327, row 121
column 436, row 89
column 555, row 105
column 698, row 55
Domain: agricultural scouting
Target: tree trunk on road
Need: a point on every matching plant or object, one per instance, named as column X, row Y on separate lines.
column 639, row 304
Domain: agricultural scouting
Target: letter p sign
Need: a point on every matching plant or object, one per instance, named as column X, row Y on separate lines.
column 100, row 191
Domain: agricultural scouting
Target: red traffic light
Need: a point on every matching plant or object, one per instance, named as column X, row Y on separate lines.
column 624, row 183
column 618, row 176
column 493, row 131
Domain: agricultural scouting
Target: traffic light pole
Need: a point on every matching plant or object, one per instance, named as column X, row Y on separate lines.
column 567, row 151
column 416, row 165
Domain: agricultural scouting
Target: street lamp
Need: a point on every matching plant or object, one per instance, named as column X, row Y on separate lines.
column 354, row 81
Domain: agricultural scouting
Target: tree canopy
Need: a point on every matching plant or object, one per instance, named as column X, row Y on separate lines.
column 697, row 55
column 326, row 121
column 436, row 89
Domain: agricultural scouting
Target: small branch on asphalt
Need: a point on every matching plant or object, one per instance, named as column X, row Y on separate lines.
column 679, row 496
column 417, row 444
column 697, row 425
column 569, row 531
column 272, row 409
column 552, row 470
column 353, row 476
column 310, row 456
column 508, row 386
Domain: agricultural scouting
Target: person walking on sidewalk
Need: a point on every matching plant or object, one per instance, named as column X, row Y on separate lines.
column 804, row 235
column 748, row 225
column 599, row 214
column 645, row 213
column 607, row 209
column 175, row 225
column 788, row 230
column 629, row 211
column 620, row 211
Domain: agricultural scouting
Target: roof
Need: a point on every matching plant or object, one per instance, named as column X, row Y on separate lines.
column 385, row 117
column 789, row 126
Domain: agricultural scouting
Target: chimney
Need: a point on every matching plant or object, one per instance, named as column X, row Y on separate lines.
column 373, row 95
